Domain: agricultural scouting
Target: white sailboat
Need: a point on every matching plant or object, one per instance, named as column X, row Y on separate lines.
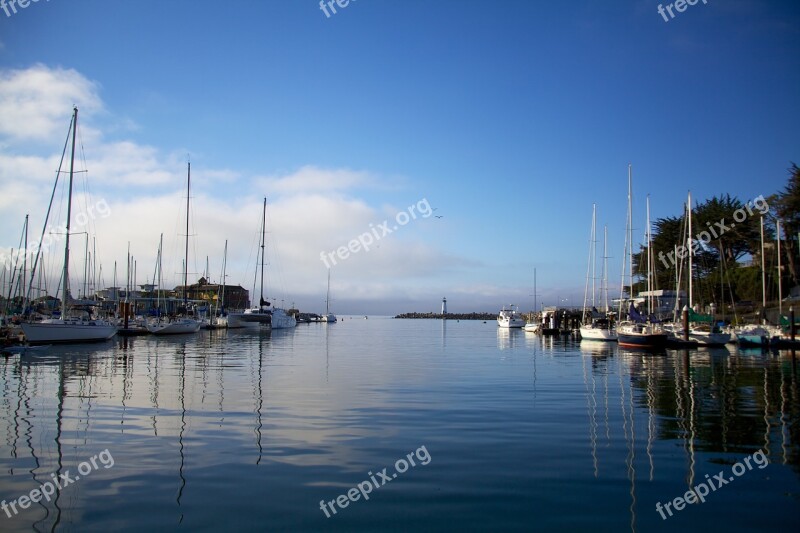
column 184, row 324
column 328, row 316
column 67, row 328
column 533, row 326
column 705, row 334
column 597, row 326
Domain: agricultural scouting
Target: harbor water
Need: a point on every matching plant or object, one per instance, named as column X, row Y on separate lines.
column 396, row 425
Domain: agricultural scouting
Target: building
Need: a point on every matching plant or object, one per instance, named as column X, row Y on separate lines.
column 235, row 296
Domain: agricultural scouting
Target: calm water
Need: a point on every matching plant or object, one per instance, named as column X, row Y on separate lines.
column 234, row 430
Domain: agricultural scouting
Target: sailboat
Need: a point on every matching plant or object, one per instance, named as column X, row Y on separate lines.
column 328, row 316
column 219, row 318
column 532, row 326
column 67, row 328
column 597, row 326
column 638, row 331
column 261, row 316
column 706, row 334
column 184, row 324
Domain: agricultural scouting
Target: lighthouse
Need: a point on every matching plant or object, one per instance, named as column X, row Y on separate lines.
column 444, row 306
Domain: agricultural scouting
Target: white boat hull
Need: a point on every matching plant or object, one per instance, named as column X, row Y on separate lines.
column 598, row 334
column 280, row 320
column 64, row 331
column 330, row 317
column 511, row 323
column 250, row 319
column 176, row 327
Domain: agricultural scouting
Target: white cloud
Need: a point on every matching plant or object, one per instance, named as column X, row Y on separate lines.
column 310, row 209
column 33, row 101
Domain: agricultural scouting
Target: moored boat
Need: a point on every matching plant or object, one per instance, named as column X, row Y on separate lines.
column 510, row 318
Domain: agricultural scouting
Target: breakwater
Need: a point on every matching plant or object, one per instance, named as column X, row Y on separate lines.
column 451, row 316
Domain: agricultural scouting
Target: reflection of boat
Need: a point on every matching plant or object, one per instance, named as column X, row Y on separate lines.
column 22, row 350
column 510, row 318
column 66, row 328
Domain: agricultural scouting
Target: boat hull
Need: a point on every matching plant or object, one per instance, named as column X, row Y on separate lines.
column 177, row 327
column 280, row 320
column 68, row 331
column 249, row 320
column 598, row 334
column 647, row 340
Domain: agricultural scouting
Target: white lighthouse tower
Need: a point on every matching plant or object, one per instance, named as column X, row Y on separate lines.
column 444, row 306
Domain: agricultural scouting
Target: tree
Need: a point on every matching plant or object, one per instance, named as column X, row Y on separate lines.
column 786, row 206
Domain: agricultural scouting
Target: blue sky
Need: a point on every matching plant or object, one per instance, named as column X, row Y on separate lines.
column 511, row 118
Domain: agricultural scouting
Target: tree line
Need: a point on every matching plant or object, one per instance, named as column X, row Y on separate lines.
column 726, row 248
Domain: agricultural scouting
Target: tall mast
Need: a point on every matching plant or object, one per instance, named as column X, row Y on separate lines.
column 689, row 243
column 605, row 267
column 594, row 250
column 589, row 268
column 186, row 253
column 69, row 214
column 328, row 295
column 263, row 238
column 763, row 273
column 534, row 289
column 221, row 299
column 778, row 237
column 649, row 277
column 630, row 228
column 24, row 267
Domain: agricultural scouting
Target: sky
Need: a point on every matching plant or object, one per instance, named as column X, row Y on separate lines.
column 502, row 123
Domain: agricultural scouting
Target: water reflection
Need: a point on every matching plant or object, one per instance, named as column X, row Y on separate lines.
column 284, row 420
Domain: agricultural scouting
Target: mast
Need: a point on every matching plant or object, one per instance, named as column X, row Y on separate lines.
column 328, row 295
column 69, row 214
column 588, row 268
column 534, row 289
column 593, row 247
column 605, row 268
column 186, row 253
column 263, row 238
column 221, row 299
column 24, row 267
column 630, row 229
column 689, row 242
column 778, row 238
column 649, row 277
column 763, row 273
